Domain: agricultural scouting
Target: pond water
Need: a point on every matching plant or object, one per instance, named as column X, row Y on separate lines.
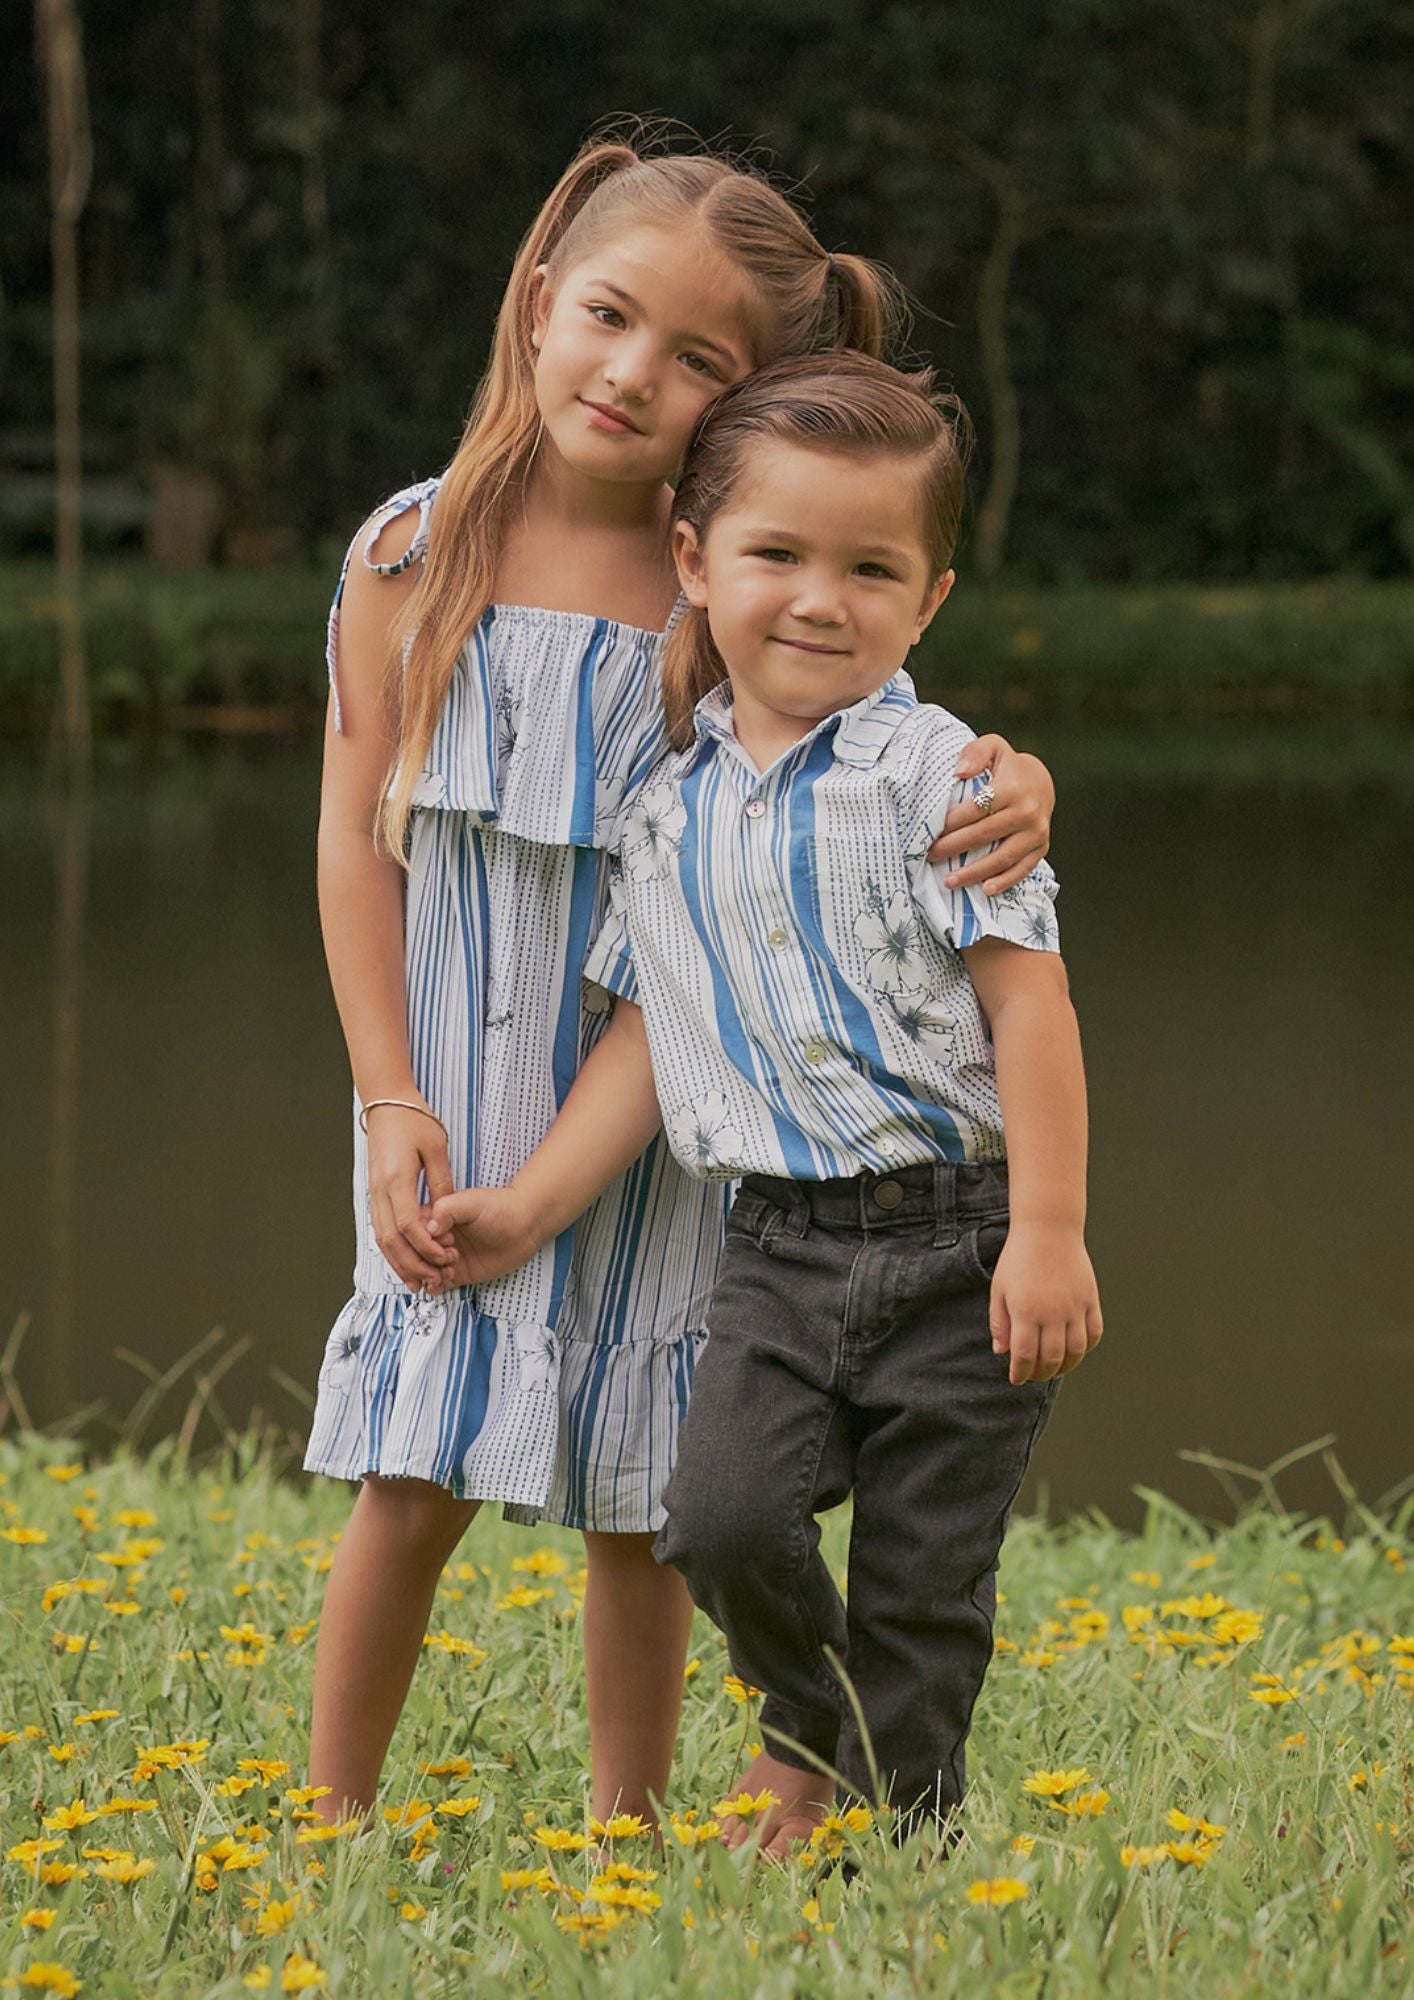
column 1236, row 916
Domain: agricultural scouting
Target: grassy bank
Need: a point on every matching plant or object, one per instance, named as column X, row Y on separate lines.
column 1226, row 1714
column 250, row 645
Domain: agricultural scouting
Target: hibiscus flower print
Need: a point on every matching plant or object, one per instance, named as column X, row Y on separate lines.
column 652, row 832
column 926, row 1022
column 889, row 935
column 1028, row 918
column 507, row 724
column 699, row 1132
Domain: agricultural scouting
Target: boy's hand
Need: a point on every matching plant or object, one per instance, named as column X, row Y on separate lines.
column 490, row 1231
column 1045, row 1303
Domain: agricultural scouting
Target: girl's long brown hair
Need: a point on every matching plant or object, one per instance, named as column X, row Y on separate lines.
column 804, row 300
column 844, row 403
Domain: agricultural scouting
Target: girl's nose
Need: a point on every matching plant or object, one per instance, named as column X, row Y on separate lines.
column 630, row 375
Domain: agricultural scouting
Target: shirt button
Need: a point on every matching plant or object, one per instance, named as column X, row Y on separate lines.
column 778, row 939
column 888, row 1194
column 888, row 1143
column 754, row 808
column 816, row 1052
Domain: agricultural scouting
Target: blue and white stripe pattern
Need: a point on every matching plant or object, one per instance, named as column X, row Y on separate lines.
column 798, row 959
column 559, row 1389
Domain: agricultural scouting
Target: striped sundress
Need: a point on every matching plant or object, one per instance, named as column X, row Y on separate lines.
column 559, row 1389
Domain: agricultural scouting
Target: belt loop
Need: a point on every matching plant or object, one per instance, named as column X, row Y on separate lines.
column 945, row 1222
column 797, row 1208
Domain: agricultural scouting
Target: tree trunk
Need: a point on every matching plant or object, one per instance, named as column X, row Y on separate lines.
column 993, row 293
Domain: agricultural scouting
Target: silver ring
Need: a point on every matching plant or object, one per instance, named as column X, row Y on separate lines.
column 984, row 800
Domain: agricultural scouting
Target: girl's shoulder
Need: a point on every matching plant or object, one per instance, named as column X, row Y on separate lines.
column 394, row 536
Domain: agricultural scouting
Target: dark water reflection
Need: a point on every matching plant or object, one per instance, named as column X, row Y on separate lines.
column 1237, row 918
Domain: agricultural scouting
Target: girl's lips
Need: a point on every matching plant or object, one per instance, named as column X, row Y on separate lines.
column 604, row 417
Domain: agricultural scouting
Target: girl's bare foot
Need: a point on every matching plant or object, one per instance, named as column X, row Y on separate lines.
column 802, row 1800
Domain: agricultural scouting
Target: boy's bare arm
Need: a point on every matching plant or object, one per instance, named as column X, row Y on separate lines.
column 1045, row 1305
column 608, row 1118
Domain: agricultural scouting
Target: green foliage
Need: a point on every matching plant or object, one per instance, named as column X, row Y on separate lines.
column 1276, row 1851
column 302, row 219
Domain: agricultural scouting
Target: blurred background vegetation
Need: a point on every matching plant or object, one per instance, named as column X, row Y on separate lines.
column 1162, row 251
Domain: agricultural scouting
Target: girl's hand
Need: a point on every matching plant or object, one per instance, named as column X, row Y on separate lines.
column 402, row 1145
column 1019, row 822
column 1045, row 1303
column 490, row 1231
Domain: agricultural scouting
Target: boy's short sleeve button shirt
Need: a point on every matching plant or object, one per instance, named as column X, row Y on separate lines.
column 797, row 958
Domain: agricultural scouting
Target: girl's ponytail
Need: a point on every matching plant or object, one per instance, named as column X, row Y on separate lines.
column 862, row 307
column 692, row 667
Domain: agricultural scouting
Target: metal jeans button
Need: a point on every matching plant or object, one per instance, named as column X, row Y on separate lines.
column 888, row 1194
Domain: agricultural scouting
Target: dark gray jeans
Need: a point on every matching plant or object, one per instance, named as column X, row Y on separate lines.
column 850, row 1352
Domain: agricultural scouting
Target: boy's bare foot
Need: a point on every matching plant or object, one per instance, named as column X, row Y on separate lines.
column 802, row 1800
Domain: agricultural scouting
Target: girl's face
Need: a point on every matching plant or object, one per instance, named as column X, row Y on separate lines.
column 631, row 345
column 814, row 579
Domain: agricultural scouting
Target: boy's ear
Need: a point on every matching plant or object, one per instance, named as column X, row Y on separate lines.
column 933, row 602
column 687, row 554
column 541, row 300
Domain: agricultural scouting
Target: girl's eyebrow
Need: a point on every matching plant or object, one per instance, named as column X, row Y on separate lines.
column 696, row 339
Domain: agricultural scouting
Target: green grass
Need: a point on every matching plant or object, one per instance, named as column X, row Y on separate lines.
column 1307, row 1891
column 252, row 640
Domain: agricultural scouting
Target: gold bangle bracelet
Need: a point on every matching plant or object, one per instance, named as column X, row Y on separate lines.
column 406, row 1104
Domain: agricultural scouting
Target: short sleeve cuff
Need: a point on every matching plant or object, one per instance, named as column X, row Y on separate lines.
column 610, row 960
column 1023, row 915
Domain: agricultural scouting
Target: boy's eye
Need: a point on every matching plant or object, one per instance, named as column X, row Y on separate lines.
column 877, row 569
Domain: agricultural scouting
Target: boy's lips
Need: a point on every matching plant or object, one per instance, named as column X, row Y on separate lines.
column 812, row 646
column 611, row 418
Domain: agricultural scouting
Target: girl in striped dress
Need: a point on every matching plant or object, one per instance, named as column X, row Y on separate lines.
column 493, row 653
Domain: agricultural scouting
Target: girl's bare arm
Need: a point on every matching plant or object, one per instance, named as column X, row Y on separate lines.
column 361, row 907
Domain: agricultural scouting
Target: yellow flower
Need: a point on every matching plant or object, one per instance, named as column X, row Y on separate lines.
column 738, row 1689
column 1147, row 1579
column 541, row 1562
column 24, row 1537
column 45, row 1976
column 303, row 1795
column 1051, row 1784
column 232, row 1788
column 691, row 1833
column 126, row 1806
column 521, row 1598
column 1209, row 1605
column 257, row 1980
column 1237, row 1628
column 589, row 1924
column 1189, row 1853
column 623, row 1826
column 300, row 1974
column 998, row 1891
column 122, row 1607
column 743, row 1806
column 623, row 1896
column 325, row 1831
column 98, row 1715
column 1023, row 1843
column 76, row 1813
column 1085, row 1805
column 447, row 1642
column 62, row 1472
column 408, row 1814
column 62, row 1753
column 413, row 1913
column 267, row 1767
column 1272, row 1696
column 693, row 1667
column 810, row 1910
column 54, row 1874
column 37, row 1920
column 561, row 1842
column 1182, row 1822
column 459, row 1808
column 1201, row 1562
column 1296, row 1741
column 450, row 1767
column 1141, row 1857
column 527, row 1878
column 125, row 1869
column 133, row 1517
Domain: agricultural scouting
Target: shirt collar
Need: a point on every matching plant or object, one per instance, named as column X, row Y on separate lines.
column 860, row 731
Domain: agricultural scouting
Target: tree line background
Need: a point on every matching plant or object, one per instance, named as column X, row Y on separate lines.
column 1162, row 250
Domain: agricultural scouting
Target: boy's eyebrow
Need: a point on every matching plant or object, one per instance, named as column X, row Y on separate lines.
column 753, row 533
column 697, row 339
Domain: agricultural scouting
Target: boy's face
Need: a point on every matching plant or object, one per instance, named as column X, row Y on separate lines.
column 632, row 343
column 815, row 580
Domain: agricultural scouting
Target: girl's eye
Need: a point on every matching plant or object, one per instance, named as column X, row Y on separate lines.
column 700, row 365
column 608, row 315
column 775, row 555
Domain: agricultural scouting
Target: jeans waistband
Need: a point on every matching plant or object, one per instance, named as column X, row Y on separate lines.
column 938, row 1190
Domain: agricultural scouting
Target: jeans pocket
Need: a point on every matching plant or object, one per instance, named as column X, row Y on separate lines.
column 982, row 1246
